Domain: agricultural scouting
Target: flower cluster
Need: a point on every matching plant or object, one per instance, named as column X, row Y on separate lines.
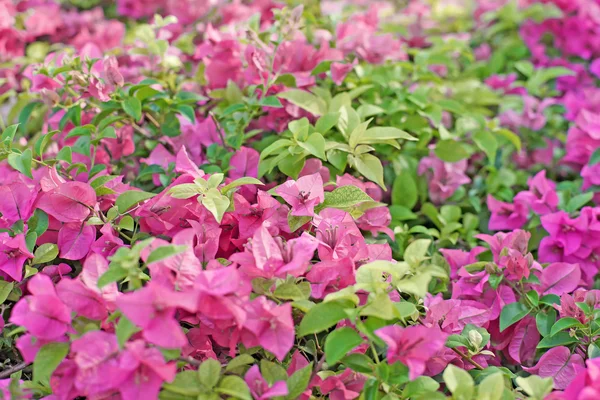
column 256, row 200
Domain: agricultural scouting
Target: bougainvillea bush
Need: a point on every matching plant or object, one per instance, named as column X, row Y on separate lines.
column 335, row 200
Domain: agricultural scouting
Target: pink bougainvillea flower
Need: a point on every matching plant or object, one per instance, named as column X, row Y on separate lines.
column 525, row 338
column 541, row 197
column 152, row 308
column 303, row 195
column 506, row 216
column 75, row 240
column 270, row 326
column 267, row 211
column 559, row 364
column 569, row 232
column 220, row 291
column 100, row 368
column 259, row 387
column 270, row 257
column 42, row 312
column 244, row 163
column 443, row 178
column 412, row 346
column 149, row 371
column 13, row 254
column 340, row 70
column 17, row 201
column 345, row 386
column 559, row 278
column 330, row 276
column 69, row 201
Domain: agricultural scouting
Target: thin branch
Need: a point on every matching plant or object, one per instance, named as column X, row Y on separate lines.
column 468, row 359
column 15, row 368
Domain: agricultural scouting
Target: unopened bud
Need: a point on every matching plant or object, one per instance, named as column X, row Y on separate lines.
column 111, row 69
column 475, row 338
column 49, row 97
column 78, row 78
column 297, row 13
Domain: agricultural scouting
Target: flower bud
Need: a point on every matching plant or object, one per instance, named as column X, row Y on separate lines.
column 475, row 338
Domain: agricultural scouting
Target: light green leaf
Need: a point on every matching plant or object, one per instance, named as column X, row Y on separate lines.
column 47, row 359
column 298, row 382
column 305, row 100
column 133, row 107
column 416, row 252
column 383, row 133
column 536, row 387
column 5, row 289
column 209, row 373
column 450, row 150
column 240, row 182
column 124, row 330
column 45, row 253
column 131, row 198
column 339, row 343
column 491, row 387
column 486, row 142
column 235, row 387
column 369, row 166
column 163, row 252
column 321, row 317
column 184, row 191
column 21, row 162
column 315, row 145
column 216, row 203
column 459, row 382
column 404, row 190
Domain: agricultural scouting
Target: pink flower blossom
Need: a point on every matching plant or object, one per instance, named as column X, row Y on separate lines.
column 259, row 387
column 413, row 346
column 303, row 195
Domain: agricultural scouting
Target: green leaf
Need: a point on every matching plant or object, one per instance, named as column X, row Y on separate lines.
column 216, row 203
column 164, row 252
column 560, row 339
column 454, row 341
column 369, row 166
column 511, row 314
column 358, row 362
column 595, row 157
column 45, row 253
column 565, row 323
column 305, row 100
column 270, row 101
column 381, row 134
column 184, row 191
column 65, row 154
column 420, row 388
column 536, row 387
column 459, row 382
column 315, row 145
column 321, row 317
column 78, row 131
column 348, row 198
column 327, row 121
column 82, row 145
column 186, row 383
column 209, row 373
column 404, row 190
column 293, row 291
column 416, row 252
column 240, row 182
column 5, row 289
column 38, row 223
column 235, row 387
column 187, row 111
column 114, row 274
column 133, row 107
column 578, row 201
column 239, row 361
column 124, row 330
column 21, row 162
column 339, row 343
column 511, row 137
column 298, row 382
column 131, row 198
column 545, row 321
column 450, row 150
column 488, row 143
column 491, row 387
column 272, row 372
column 8, row 134
column 47, row 359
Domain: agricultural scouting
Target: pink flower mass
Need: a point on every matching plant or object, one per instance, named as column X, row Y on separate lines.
column 341, row 199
